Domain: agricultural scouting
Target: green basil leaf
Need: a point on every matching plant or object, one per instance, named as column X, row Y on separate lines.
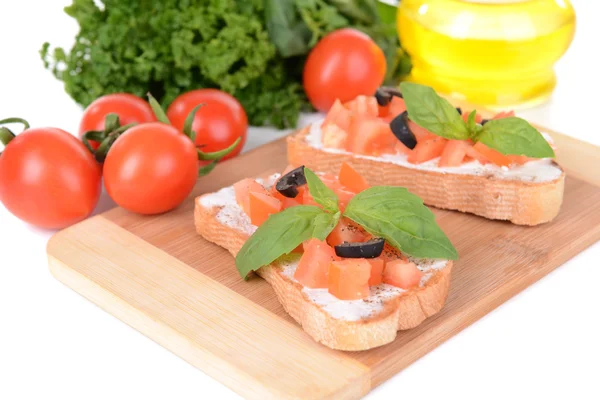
column 401, row 218
column 320, row 192
column 471, row 124
column 324, row 224
column 515, row 136
column 432, row 112
column 279, row 234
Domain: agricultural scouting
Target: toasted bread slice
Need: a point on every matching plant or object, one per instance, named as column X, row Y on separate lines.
column 519, row 201
column 343, row 325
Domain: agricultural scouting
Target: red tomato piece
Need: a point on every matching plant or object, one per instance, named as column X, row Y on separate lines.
column 363, row 106
column 371, row 136
column 504, row 114
column 402, row 274
column 351, row 179
column 492, row 155
column 377, row 266
column 346, row 231
column 454, row 153
column 338, row 115
column 261, row 206
column 427, row 150
column 314, row 265
column 390, row 253
column 393, row 109
column 334, row 137
column 242, row 192
column 349, row 279
column 343, row 65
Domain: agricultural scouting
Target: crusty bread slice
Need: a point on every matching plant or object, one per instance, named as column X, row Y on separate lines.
column 520, row 202
column 402, row 311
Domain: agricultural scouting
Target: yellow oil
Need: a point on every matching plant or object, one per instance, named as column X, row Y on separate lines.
column 497, row 53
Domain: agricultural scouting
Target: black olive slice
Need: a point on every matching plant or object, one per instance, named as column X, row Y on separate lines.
column 384, row 95
column 459, row 110
column 400, row 129
column 371, row 249
column 484, row 121
column 288, row 184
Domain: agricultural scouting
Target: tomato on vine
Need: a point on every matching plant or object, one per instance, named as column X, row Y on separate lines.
column 47, row 177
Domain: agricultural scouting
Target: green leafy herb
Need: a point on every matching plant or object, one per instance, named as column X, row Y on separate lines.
column 432, row 112
column 320, row 192
column 279, row 234
column 252, row 49
column 324, row 224
column 401, row 218
column 514, row 135
column 510, row 135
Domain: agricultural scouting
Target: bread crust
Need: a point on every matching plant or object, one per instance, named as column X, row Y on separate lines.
column 522, row 203
column 405, row 311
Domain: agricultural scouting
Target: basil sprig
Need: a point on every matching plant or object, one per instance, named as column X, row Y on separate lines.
column 389, row 212
column 509, row 136
column 400, row 218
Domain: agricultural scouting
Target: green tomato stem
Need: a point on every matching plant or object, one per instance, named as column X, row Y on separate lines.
column 158, row 111
column 187, row 126
column 218, row 154
column 207, row 168
column 96, row 136
column 15, row 121
column 6, row 135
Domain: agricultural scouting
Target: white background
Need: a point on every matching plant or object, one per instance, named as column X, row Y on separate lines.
column 55, row 344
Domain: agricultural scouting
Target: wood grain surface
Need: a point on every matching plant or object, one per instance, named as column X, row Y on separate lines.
column 156, row 274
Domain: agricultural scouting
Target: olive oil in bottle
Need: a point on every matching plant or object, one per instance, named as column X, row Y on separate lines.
column 498, row 53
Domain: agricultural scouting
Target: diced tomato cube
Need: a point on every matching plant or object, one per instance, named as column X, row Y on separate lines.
column 393, row 109
column 338, row 115
column 242, row 192
column 334, row 137
column 346, row 231
column 351, row 179
column 493, row 156
column 371, row 136
column 504, row 114
column 261, row 206
column 454, row 153
column 314, row 264
column 427, row 150
column 377, row 266
column 287, row 203
column 402, row 274
column 390, row 253
column 421, row 134
column 349, row 279
column 363, row 106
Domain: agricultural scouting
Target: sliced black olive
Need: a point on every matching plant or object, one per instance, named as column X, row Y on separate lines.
column 400, row 129
column 288, row 184
column 384, row 95
column 484, row 121
column 459, row 110
column 371, row 249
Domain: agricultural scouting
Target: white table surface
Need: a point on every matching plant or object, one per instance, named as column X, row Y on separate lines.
column 55, row 344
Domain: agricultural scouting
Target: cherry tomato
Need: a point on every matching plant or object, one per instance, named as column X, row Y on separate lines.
column 344, row 64
column 48, row 178
column 128, row 107
column 217, row 124
column 151, row 168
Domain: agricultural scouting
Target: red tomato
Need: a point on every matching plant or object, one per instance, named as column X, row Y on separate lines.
column 343, row 65
column 48, row 178
column 128, row 107
column 151, row 168
column 217, row 124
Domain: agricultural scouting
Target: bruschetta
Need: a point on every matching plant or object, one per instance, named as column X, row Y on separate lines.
column 501, row 168
column 350, row 284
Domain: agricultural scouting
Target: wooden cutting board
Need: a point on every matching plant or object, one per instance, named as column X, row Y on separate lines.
column 157, row 275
